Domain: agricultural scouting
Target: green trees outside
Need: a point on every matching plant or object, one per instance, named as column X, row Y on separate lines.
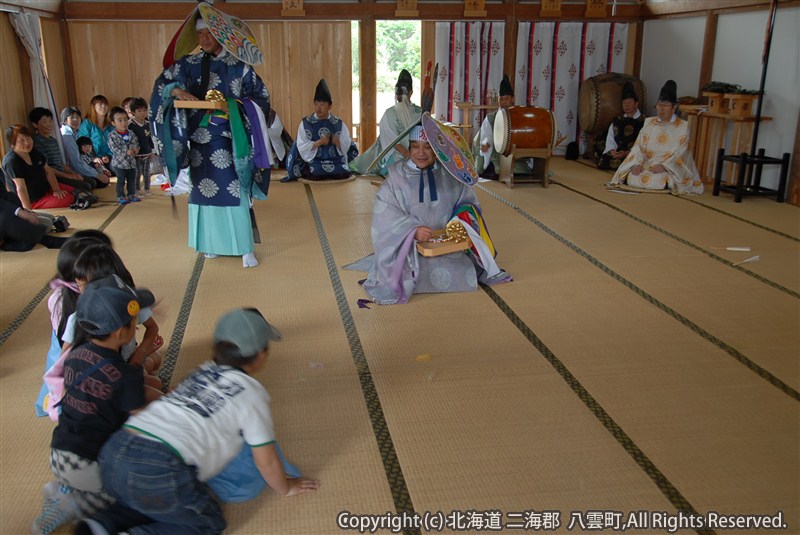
column 398, row 47
column 399, row 43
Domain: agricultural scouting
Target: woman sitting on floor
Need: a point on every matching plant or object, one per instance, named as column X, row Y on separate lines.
column 96, row 126
column 34, row 180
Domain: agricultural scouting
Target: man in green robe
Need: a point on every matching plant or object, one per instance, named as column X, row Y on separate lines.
column 395, row 120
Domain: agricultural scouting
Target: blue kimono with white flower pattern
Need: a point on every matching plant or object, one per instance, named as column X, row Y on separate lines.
column 330, row 160
column 207, row 148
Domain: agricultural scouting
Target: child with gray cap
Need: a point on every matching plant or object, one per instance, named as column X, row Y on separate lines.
column 100, row 391
column 157, row 464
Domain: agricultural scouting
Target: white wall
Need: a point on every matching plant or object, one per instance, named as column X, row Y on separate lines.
column 671, row 49
column 740, row 42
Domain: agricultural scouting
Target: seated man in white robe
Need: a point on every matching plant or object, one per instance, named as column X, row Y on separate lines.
column 487, row 159
column 660, row 159
column 395, row 120
column 611, row 149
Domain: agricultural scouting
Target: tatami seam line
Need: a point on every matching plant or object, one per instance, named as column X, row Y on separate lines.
column 733, row 352
column 178, row 332
column 713, row 209
column 41, row 294
column 687, row 243
column 664, row 485
column 391, row 464
column 739, row 218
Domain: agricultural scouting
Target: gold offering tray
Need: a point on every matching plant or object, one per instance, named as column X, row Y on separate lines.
column 438, row 248
column 201, row 104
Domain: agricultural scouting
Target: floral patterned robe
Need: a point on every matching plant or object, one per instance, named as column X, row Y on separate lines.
column 665, row 143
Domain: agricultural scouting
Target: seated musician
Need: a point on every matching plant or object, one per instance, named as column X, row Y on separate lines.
column 660, row 158
column 395, row 120
column 487, row 159
column 612, row 148
column 323, row 146
column 417, row 198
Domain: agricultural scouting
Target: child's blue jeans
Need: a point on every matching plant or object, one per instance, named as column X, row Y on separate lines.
column 125, row 177
column 156, row 492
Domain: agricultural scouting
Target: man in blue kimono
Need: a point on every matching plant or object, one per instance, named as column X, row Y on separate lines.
column 323, row 146
column 219, row 160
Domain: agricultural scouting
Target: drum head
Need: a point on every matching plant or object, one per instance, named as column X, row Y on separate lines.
column 501, row 131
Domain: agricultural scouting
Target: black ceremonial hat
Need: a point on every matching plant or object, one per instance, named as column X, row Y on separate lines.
column 404, row 80
column 669, row 93
column 506, row 90
column 322, row 93
column 629, row 92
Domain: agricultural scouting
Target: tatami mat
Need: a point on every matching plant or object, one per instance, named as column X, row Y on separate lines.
column 624, row 369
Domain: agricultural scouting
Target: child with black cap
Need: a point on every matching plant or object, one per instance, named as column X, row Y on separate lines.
column 188, row 436
column 100, row 391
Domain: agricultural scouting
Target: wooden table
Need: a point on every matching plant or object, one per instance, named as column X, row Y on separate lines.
column 708, row 132
column 466, row 125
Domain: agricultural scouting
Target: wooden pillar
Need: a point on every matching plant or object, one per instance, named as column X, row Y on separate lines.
column 369, row 82
column 510, row 44
column 66, row 44
column 709, row 44
column 794, row 173
column 637, row 54
column 428, row 49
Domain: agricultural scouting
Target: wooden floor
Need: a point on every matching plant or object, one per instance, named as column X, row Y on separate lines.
column 633, row 365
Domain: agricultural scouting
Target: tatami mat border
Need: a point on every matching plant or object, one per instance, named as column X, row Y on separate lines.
column 41, row 294
column 664, row 485
column 391, row 464
column 23, row 315
column 712, row 208
column 174, row 347
column 735, row 353
column 687, row 243
column 738, row 218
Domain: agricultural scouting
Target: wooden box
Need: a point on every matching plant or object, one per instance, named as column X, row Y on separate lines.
column 717, row 102
column 741, row 105
column 201, row 104
column 438, row 248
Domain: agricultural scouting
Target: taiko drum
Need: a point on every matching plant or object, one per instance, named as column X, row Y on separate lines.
column 528, row 127
column 600, row 100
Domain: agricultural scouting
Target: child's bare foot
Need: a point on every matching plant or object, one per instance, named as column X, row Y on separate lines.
column 152, row 363
column 153, row 381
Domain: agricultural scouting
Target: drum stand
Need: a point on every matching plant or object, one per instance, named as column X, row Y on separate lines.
column 539, row 174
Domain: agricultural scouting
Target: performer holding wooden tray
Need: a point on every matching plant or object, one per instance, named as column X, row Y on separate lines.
column 420, row 196
column 451, row 239
column 207, row 110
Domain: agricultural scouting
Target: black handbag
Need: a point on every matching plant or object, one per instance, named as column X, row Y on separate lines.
column 60, row 224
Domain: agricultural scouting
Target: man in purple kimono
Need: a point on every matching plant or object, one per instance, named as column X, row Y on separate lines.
column 418, row 197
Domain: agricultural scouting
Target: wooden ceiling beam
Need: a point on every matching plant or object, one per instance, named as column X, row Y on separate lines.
column 355, row 11
column 41, row 7
column 682, row 8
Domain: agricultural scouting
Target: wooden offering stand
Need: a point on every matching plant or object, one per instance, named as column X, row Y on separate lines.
column 201, row 104
column 438, row 248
